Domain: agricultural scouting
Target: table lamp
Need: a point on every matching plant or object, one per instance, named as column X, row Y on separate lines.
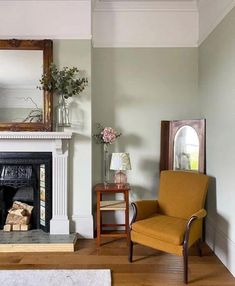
column 120, row 162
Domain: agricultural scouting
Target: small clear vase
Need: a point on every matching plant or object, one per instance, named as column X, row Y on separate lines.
column 63, row 113
column 105, row 164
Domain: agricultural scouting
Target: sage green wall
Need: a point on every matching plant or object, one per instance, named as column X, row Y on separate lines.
column 217, row 97
column 78, row 53
column 133, row 90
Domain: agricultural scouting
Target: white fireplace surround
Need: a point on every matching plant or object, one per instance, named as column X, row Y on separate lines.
column 58, row 144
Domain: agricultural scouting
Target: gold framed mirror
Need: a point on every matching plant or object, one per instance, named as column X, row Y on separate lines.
column 23, row 107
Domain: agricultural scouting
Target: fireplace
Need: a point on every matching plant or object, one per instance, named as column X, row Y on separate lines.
column 27, row 177
column 57, row 144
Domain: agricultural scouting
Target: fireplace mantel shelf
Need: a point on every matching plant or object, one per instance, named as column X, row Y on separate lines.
column 35, row 135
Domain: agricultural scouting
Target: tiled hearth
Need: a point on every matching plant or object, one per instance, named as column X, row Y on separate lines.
column 36, row 241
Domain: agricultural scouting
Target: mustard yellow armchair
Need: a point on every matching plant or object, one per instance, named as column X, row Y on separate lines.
column 173, row 223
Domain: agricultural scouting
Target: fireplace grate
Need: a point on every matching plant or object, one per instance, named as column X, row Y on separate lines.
column 17, row 176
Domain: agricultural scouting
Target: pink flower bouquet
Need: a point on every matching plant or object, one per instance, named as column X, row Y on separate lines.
column 106, row 135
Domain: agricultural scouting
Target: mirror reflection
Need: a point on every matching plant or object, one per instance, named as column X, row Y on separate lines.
column 186, row 149
column 20, row 100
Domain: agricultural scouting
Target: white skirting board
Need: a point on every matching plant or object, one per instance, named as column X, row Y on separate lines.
column 83, row 225
column 221, row 244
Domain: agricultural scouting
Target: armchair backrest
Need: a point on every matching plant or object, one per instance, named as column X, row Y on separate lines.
column 181, row 193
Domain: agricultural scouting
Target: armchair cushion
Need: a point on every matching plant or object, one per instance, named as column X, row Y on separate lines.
column 182, row 193
column 161, row 227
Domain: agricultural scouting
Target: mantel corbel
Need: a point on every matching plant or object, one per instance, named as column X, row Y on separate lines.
column 58, row 147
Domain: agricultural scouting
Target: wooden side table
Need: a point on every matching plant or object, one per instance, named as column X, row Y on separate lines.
column 105, row 205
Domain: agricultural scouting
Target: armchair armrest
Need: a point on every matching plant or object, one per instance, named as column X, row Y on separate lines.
column 199, row 214
column 189, row 238
column 144, row 209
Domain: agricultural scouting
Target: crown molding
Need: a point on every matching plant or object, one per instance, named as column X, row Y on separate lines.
column 145, row 24
column 151, row 6
column 204, row 32
column 143, row 44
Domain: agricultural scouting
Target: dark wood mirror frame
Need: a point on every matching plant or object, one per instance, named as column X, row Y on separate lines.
column 47, row 47
column 169, row 130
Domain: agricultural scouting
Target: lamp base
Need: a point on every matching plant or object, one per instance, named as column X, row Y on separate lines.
column 120, row 179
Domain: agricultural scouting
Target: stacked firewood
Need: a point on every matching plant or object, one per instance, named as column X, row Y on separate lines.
column 18, row 217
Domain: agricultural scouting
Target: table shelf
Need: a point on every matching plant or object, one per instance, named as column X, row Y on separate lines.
column 112, row 205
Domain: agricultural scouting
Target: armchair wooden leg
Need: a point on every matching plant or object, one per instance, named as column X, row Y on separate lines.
column 185, row 248
column 185, row 258
column 130, row 251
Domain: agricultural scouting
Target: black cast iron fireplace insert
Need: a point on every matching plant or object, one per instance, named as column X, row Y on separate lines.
column 27, row 177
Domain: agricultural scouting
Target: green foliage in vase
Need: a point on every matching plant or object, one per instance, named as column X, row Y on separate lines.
column 65, row 82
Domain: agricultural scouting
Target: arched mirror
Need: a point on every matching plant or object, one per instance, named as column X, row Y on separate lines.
column 22, row 105
column 183, row 145
column 186, row 149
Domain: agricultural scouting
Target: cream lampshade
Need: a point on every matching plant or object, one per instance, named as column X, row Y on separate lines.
column 120, row 162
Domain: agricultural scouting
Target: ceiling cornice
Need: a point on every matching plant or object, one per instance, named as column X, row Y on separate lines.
column 209, row 21
column 145, row 23
column 174, row 6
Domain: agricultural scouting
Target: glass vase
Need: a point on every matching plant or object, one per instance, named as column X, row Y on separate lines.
column 63, row 113
column 105, row 164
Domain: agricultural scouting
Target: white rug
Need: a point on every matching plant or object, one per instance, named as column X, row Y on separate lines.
column 55, row 277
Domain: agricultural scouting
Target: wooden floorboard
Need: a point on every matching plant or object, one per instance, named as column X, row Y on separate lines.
column 150, row 267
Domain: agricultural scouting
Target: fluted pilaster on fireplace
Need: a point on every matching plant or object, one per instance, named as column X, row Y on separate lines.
column 60, row 219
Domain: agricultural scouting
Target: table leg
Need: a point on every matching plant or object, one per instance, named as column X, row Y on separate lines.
column 98, row 216
column 127, row 216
